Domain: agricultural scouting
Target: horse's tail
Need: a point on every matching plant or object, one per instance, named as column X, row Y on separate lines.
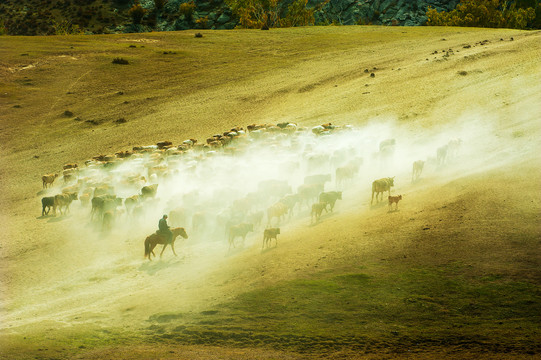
column 147, row 247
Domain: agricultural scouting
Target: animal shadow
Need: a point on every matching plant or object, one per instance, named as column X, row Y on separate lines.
column 56, row 218
column 154, row 266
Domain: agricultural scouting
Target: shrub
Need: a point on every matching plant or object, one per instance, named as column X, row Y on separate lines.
column 137, row 12
column 483, row 13
column 120, row 61
column 187, row 9
column 255, row 14
column 159, row 4
column 298, row 14
column 202, row 22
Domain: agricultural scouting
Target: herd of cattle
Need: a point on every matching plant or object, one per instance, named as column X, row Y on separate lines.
column 232, row 183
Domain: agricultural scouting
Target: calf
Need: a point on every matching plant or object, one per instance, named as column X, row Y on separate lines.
column 268, row 235
column 394, row 199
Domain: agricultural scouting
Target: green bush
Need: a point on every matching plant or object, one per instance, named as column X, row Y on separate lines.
column 137, row 12
column 187, row 9
column 255, row 14
column 483, row 13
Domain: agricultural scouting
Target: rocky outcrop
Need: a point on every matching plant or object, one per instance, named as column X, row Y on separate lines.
column 215, row 14
column 378, row 12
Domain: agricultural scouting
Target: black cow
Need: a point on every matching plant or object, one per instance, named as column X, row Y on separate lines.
column 47, row 202
column 329, row 198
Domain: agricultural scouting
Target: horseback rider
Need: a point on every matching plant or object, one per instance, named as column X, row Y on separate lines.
column 163, row 229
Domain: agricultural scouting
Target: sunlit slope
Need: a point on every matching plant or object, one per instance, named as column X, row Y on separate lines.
column 470, row 226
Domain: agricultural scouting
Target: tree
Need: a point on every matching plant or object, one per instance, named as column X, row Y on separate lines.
column 159, row 4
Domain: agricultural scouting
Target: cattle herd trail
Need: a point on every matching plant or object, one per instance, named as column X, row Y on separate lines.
column 271, row 154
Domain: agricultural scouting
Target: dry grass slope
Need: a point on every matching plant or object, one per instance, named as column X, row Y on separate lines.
column 455, row 273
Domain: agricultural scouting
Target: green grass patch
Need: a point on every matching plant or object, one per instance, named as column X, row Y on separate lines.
column 426, row 306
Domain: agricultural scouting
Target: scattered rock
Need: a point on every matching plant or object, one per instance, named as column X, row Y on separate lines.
column 462, row 73
column 198, row 35
column 121, row 121
column 17, row 106
column 120, row 93
column 68, row 113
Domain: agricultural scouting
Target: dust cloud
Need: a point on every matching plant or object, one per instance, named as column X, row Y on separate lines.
column 208, row 189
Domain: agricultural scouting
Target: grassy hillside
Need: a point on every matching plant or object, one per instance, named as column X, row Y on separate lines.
column 454, row 273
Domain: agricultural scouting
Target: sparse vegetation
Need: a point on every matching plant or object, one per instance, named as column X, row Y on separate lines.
column 120, row 61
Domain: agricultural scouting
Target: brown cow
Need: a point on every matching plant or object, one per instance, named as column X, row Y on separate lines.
column 268, row 235
column 441, row 155
column 70, row 166
column 317, row 209
column 308, row 193
column 240, row 230
column 417, row 170
column 330, row 198
column 48, row 179
column 108, row 219
column 64, row 201
column 130, row 203
column 394, row 199
column 149, row 191
column 348, row 172
column 380, row 186
column 277, row 210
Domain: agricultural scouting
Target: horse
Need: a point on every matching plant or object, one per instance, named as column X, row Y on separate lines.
column 156, row 238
